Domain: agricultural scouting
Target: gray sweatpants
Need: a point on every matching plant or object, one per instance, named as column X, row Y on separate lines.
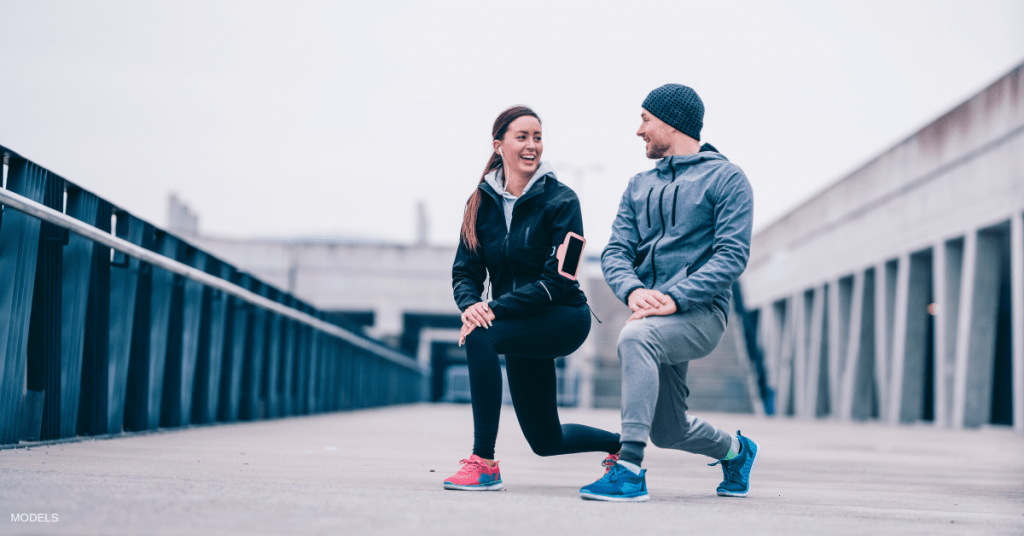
column 655, row 353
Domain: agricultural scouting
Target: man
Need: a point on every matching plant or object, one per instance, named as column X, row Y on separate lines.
column 679, row 241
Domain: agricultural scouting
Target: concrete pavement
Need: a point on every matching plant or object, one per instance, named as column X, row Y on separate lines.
column 380, row 472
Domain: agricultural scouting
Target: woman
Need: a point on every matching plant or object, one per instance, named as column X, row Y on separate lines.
column 513, row 223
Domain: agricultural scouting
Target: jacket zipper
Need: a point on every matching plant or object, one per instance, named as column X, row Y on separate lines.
column 508, row 261
column 661, row 215
column 675, row 199
column 648, row 207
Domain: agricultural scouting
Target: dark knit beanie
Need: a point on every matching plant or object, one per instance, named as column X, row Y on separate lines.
column 679, row 107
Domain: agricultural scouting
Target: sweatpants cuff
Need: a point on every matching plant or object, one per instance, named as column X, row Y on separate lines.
column 636, row 432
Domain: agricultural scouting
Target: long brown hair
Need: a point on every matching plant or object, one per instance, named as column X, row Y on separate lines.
column 494, row 162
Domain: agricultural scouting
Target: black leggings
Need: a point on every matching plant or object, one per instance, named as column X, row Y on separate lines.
column 530, row 346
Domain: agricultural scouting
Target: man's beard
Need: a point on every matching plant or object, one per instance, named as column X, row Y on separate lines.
column 658, row 150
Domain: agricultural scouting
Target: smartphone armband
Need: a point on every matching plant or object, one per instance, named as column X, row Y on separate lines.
column 569, row 255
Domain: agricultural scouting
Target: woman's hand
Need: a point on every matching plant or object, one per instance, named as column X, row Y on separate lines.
column 476, row 315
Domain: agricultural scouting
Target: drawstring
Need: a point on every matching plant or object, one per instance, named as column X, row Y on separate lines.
column 595, row 314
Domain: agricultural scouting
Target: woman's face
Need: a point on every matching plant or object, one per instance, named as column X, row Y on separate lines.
column 522, row 146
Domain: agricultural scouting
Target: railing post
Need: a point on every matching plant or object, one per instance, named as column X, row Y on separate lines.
column 124, row 289
column 252, row 370
column 210, row 356
column 234, row 355
column 271, row 382
column 149, row 338
column 96, row 380
column 183, row 342
column 77, row 265
column 19, row 242
column 44, row 334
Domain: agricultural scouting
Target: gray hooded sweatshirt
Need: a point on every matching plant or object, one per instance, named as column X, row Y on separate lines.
column 683, row 228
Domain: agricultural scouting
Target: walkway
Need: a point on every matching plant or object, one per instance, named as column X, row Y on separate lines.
column 380, row 472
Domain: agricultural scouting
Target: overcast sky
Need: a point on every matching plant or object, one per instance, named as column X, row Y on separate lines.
column 329, row 118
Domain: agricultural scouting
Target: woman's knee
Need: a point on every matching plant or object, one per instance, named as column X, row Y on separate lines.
column 478, row 340
column 543, row 448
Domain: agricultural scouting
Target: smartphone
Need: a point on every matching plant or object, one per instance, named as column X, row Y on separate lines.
column 569, row 255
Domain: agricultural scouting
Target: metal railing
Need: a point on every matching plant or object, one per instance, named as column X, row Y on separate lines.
column 108, row 323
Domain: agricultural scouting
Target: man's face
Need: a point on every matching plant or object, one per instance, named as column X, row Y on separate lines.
column 656, row 133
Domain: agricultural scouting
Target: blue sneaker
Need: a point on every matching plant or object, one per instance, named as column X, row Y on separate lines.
column 737, row 470
column 618, row 484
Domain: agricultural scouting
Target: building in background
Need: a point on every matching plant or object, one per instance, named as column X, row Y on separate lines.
column 897, row 293
column 401, row 294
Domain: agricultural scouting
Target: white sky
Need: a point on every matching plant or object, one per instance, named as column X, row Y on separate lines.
column 334, row 118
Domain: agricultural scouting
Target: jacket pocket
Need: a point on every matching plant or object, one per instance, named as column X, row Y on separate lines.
column 531, row 229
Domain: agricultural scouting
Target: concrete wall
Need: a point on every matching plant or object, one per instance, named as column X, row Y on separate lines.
column 897, row 293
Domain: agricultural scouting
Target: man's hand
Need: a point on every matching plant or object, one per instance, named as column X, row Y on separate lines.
column 476, row 315
column 646, row 303
column 642, row 298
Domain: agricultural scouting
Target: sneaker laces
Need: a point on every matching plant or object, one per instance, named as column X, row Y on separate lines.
column 470, row 467
column 613, row 473
column 610, row 462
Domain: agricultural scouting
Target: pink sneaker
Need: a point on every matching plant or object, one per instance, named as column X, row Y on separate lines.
column 610, row 462
column 475, row 475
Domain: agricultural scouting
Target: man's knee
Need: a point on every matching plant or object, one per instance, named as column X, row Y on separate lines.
column 636, row 335
column 665, row 438
column 638, row 345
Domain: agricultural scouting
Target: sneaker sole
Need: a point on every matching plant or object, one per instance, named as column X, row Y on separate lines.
column 753, row 464
column 497, row 486
column 595, row 497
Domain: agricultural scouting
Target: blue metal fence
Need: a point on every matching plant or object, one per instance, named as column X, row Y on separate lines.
column 119, row 325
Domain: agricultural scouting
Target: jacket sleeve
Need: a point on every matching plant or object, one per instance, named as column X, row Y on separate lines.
column 620, row 253
column 468, row 274
column 734, row 212
column 551, row 286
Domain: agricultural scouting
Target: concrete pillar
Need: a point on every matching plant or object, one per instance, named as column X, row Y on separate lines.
column 800, row 320
column 849, row 394
column 884, row 296
column 770, row 336
column 910, row 401
column 864, row 392
column 785, row 367
column 947, row 263
column 899, row 340
column 813, row 404
column 976, row 333
column 838, row 329
column 1017, row 291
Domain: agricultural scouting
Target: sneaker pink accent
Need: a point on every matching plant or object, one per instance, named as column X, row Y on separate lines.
column 475, row 475
column 610, row 462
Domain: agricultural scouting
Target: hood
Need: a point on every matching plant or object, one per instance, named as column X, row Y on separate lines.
column 496, row 178
column 681, row 162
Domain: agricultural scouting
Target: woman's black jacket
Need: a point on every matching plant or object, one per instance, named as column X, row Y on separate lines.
column 521, row 260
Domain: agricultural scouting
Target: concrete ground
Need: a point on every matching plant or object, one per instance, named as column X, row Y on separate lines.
column 380, row 472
